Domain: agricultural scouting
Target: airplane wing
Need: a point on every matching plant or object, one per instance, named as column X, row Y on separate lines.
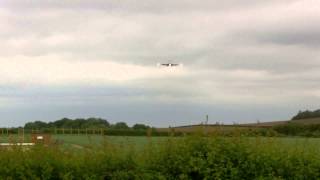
column 174, row 64
column 165, row 64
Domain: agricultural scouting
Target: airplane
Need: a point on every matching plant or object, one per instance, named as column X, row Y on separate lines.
column 169, row 64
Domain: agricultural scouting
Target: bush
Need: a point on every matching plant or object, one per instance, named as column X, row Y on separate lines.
column 193, row 157
column 294, row 129
column 307, row 114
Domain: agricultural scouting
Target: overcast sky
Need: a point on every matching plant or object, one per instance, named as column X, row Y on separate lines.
column 243, row 61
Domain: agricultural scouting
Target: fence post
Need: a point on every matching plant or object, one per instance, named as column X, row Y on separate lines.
column 23, row 135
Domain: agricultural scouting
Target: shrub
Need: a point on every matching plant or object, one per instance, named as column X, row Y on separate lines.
column 193, row 157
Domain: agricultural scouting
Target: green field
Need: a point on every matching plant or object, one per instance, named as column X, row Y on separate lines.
column 96, row 140
column 140, row 141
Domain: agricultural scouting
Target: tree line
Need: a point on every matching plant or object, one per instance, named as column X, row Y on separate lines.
column 307, row 114
column 82, row 123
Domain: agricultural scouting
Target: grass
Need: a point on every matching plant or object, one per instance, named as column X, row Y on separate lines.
column 14, row 138
column 96, row 140
column 140, row 141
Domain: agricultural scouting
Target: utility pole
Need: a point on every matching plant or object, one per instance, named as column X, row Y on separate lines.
column 206, row 124
column 207, row 119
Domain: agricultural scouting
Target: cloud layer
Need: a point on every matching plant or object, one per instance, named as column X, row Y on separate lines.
column 241, row 60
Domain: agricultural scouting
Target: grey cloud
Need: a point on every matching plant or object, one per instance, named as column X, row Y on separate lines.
column 213, row 39
column 309, row 37
column 151, row 6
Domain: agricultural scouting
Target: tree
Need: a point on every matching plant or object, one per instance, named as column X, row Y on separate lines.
column 307, row 114
column 36, row 125
column 120, row 125
column 79, row 123
column 97, row 123
column 140, row 127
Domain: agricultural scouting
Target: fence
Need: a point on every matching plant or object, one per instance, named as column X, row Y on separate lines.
column 86, row 131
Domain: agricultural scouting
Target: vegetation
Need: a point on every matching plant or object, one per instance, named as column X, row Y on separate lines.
column 80, row 123
column 89, row 126
column 176, row 158
column 293, row 129
column 299, row 126
column 69, row 123
column 140, row 127
column 228, row 153
column 120, row 125
column 307, row 114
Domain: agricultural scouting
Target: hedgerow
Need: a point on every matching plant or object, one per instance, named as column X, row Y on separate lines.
column 193, row 157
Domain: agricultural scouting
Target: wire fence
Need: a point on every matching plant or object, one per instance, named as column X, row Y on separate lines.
column 85, row 131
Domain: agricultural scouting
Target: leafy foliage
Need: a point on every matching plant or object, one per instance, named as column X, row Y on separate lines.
column 120, row 125
column 294, row 129
column 69, row 123
column 83, row 124
column 140, row 127
column 307, row 114
column 178, row 158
